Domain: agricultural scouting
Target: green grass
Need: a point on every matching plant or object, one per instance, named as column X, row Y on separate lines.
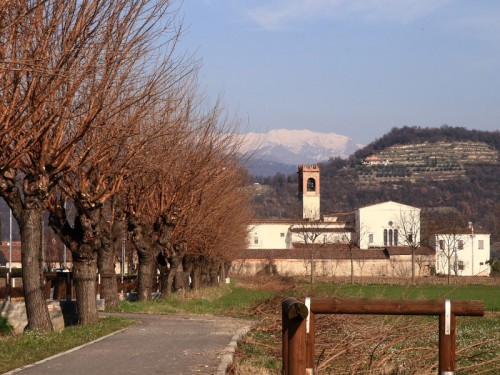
column 489, row 294
column 17, row 351
column 223, row 300
column 5, row 327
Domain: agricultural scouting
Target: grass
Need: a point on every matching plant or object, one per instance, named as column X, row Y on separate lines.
column 227, row 300
column 5, row 327
column 17, row 351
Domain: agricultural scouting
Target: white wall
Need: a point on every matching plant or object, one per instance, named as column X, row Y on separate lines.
column 470, row 260
column 372, row 220
column 269, row 236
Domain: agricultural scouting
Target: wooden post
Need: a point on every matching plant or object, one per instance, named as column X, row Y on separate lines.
column 284, row 340
column 294, row 333
column 447, row 323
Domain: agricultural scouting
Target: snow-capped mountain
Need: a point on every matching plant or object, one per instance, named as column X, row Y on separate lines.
column 282, row 150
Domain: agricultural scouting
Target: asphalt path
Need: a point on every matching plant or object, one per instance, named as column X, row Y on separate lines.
column 158, row 344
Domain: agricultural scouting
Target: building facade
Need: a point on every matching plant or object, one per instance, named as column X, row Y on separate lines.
column 462, row 253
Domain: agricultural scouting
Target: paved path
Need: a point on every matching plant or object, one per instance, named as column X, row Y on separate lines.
column 158, row 344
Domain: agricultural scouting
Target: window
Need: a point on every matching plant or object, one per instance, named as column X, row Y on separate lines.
column 390, row 237
column 395, row 237
column 385, row 237
column 441, row 244
column 311, row 184
column 282, row 234
column 480, row 245
column 460, row 245
column 370, row 238
column 410, row 238
column 256, row 240
column 461, row 265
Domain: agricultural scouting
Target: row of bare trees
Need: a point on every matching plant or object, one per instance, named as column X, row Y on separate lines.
column 98, row 108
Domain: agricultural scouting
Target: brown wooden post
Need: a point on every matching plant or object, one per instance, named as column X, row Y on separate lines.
column 447, row 323
column 297, row 346
column 294, row 332
column 284, row 339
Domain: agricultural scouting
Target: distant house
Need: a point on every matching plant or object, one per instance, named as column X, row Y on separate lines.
column 6, row 255
column 462, row 253
column 374, row 160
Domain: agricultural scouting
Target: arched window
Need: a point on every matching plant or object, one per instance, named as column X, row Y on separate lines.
column 385, row 237
column 395, row 237
column 311, row 184
column 390, row 237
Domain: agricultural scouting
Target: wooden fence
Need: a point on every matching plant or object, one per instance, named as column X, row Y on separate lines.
column 60, row 285
column 298, row 320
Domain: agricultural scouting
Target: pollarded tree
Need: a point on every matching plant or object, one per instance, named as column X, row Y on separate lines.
column 62, row 63
column 215, row 229
column 181, row 178
column 141, row 81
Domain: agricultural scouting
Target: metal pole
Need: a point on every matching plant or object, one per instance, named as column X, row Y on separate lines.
column 12, row 280
column 10, row 241
column 472, row 248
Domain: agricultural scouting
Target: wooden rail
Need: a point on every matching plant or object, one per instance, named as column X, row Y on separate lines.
column 299, row 325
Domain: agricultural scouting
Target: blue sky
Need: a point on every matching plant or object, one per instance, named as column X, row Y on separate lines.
column 353, row 67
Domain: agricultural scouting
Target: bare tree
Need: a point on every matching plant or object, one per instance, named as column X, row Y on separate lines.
column 59, row 59
column 135, row 77
column 409, row 234
column 313, row 234
column 449, row 242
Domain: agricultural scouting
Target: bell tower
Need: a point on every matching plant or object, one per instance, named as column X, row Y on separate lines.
column 309, row 191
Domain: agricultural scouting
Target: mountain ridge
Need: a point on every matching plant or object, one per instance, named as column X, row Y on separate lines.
column 280, row 150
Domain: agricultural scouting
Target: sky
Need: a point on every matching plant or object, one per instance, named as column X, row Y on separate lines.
column 353, row 67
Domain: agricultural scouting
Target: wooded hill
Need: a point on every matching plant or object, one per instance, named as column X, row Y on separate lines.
column 425, row 167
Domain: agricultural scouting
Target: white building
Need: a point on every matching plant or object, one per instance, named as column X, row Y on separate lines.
column 378, row 238
column 462, row 253
column 387, row 224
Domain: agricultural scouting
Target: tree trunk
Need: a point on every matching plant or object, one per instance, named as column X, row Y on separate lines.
column 352, row 268
column 31, row 227
column 213, row 273
column 312, row 266
column 179, row 277
column 109, row 284
column 164, row 271
column 29, row 216
column 84, row 275
column 196, row 275
column 145, row 276
column 413, row 266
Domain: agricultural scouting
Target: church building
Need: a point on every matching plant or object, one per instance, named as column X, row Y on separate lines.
column 378, row 239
